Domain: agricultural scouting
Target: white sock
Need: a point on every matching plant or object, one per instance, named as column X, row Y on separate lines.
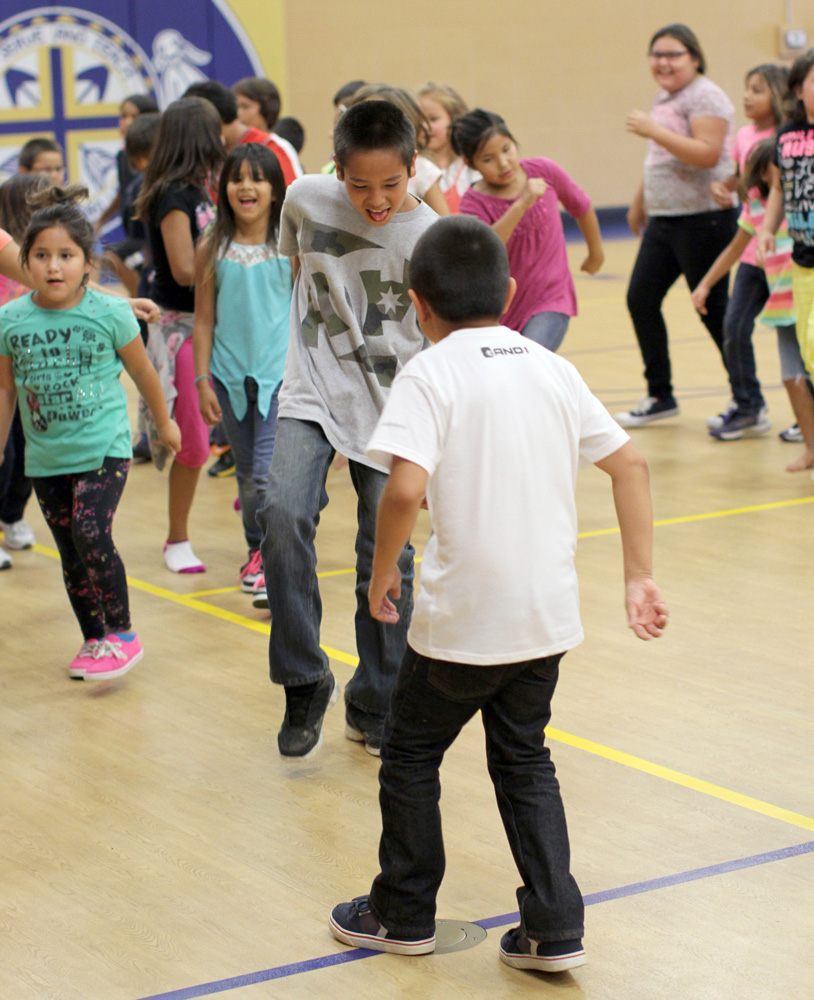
column 180, row 558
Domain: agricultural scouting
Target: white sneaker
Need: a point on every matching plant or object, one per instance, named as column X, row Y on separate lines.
column 6, row 562
column 18, row 535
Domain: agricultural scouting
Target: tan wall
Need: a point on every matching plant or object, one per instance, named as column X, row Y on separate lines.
column 563, row 75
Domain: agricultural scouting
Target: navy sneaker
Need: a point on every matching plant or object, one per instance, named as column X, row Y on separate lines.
column 353, row 923
column 305, row 707
column 792, row 435
column 362, row 727
column 648, row 410
column 225, row 466
column 521, row 952
column 737, row 424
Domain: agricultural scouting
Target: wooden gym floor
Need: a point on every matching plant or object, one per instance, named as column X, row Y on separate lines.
column 154, row 844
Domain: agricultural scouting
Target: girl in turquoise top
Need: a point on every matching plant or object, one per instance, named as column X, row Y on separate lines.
column 240, row 337
column 62, row 350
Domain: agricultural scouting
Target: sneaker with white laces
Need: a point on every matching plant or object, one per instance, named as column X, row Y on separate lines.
column 354, row 924
column 6, row 562
column 251, row 572
column 18, row 534
column 648, row 410
column 260, row 597
column 114, row 656
column 738, row 424
column 83, row 659
column 792, row 435
column 718, row 419
column 522, row 952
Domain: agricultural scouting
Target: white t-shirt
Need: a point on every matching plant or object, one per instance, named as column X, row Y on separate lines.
column 426, row 174
column 500, row 424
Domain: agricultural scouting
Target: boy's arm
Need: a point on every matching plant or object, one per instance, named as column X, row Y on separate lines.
column 398, row 510
column 589, row 227
column 646, row 610
column 141, row 371
column 8, row 400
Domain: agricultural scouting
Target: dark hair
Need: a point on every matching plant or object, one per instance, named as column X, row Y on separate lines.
column 292, row 130
column 760, row 159
column 776, row 79
column 800, row 69
column 258, row 88
column 188, row 147
column 219, row 95
column 374, row 125
column 143, row 103
column 15, row 208
column 460, row 266
column 348, row 90
column 57, row 206
column 688, row 39
column 403, row 100
column 264, row 165
column 142, row 135
column 469, row 132
column 32, row 149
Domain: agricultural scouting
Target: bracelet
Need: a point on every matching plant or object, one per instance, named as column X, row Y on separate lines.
column 198, row 379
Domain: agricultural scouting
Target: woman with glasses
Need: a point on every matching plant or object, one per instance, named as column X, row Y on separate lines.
column 683, row 228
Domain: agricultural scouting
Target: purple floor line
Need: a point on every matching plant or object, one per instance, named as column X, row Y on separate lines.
column 340, row 958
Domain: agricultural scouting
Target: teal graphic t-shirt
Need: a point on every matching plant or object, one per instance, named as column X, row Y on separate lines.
column 73, row 407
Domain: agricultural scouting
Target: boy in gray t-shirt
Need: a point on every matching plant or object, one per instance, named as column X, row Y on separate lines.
column 352, row 329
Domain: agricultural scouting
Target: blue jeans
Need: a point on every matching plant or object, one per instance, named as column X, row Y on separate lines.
column 547, row 328
column 746, row 301
column 252, row 442
column 431, row 703
column 289, row 517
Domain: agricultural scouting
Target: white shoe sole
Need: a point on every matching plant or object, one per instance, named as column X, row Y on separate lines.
column 539, row 963
column 374, row 943
column 111, row 674
column 628, row 420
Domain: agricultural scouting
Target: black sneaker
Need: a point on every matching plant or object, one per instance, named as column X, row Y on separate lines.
column 520, row 952
column 648, row 410
column 305, row 707
column 362, row 727
column 353, row 923
column 792, row 435
column 225, row 466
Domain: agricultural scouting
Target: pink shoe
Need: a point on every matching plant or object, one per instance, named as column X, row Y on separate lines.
column 83, row 659
column 251, row 572
column 113, row 657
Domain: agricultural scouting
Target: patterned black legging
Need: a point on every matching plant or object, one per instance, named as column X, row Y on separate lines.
column 79, row 510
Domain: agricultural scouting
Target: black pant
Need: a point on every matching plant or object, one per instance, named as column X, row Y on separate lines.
column 672, row 246
column 79, row 509
column 431, row 703
column 15, row 486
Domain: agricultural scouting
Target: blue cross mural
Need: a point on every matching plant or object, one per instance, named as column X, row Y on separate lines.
column 65, row 71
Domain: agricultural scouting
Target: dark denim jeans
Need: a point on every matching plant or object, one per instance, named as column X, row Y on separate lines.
column 746, row 301
column 289, row 517
column 432, row 701
column 672, row 246
column 252, row 442
column 15, row 486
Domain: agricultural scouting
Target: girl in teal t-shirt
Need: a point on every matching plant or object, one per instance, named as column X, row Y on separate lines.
column 62, row 349
column 240, row 337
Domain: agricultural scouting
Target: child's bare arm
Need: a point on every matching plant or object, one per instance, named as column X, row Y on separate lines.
column 534, row 190
column 772, row 218
column 647, row 612
column 203, row 331
column 589, row 227
column 141, row 371
column 722, row 265
column 436, row 200
column 8, row 400
column 398, row 510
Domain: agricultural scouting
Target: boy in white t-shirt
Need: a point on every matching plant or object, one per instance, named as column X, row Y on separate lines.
column 491, row 427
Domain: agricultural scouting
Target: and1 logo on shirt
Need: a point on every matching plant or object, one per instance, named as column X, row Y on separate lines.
column 491, row 352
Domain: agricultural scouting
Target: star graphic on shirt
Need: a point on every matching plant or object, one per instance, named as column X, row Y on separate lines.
column 390, row 301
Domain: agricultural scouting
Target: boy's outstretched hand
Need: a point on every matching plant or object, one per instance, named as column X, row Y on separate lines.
column 382, row 585
column 646, row 610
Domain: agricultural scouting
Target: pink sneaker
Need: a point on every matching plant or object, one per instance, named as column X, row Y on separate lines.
column 83, row 659
column 260, row 597
column 251, row 572
column 113, row 657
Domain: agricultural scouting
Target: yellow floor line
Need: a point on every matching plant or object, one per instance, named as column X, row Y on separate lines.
column 677, row 778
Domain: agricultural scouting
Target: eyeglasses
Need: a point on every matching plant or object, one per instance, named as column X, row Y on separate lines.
column 670, row 56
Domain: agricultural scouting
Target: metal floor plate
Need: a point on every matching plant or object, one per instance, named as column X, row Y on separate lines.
column 456, row 935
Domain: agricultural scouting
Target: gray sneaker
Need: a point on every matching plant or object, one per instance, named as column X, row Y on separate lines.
column 305, row 707
column 648, row 410
column 714, row 422
column 18, row 535
column 738, row 424
column 362, row 727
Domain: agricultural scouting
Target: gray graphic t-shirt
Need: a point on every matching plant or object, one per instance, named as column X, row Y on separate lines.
column 353, row 326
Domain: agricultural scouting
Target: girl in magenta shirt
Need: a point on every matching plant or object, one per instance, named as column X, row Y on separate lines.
column 520, row 200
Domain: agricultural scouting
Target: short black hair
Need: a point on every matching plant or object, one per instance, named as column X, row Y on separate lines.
column 32, row 149
column 374, row 125
column 347, row 90
column 291, row 129
column 142, row 134
column 144, row 103
column 216, row 93
column 460, row 266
